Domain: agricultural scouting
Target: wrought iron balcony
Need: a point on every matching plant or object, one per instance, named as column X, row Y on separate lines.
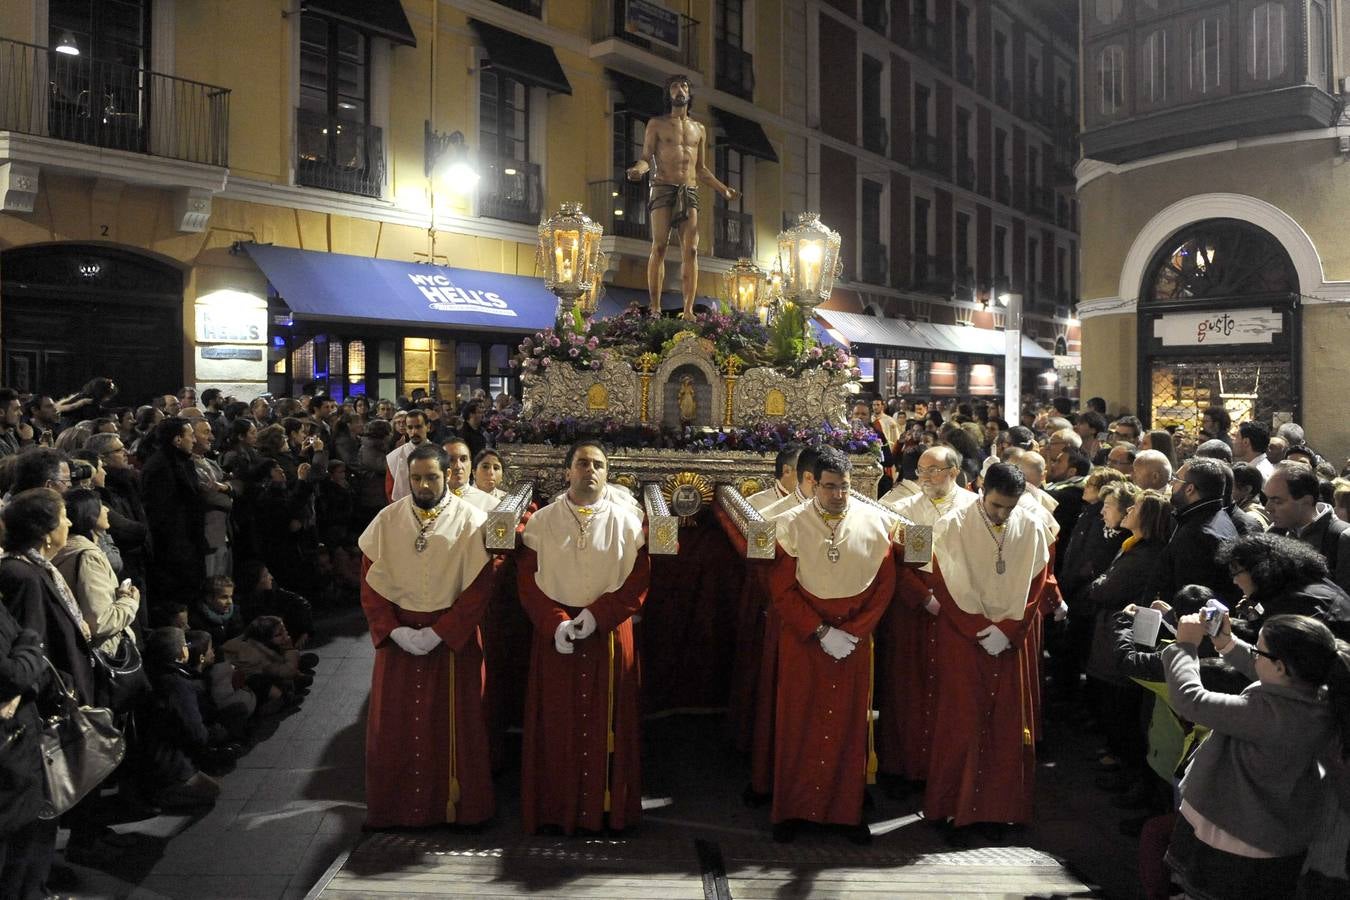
column 965, row 69
column 620, row 206
column 930, row 153
column 1002, row 188
column 1003, row 92
column 733, row 233
column 965, row 172
column 337, row 155
column 111, row 105
column 875, row 267
column 876, row 134
column 670, row 35
column 735, row 71
column 932, row 274
column 510, row 189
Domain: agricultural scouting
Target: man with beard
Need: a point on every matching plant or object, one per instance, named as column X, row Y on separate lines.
column 582, row 574
column 830, row 587
column 907, row 670
column 426, row 580
column 1202, row 526
column 416, row 426
column 459, row 466
column 992, row 560
column 675, row 152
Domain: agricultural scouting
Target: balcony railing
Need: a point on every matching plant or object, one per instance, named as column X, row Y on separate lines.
column 930, row 153
column 1002, row 188
column 965, row 172
column 875, row 265
column 111, row 105
column 735, row 71
column 965, row 69
column 510, row 189
column 964, row 277
column 620, row 206
column 932, row 273
column 1003, row 92
column 876, row 134
column 679, row 44
column 529, row 7
column 876, row 16
column 733, row 233
column 337, row 155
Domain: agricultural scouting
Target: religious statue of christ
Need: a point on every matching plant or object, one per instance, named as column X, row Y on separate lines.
column 675, row 153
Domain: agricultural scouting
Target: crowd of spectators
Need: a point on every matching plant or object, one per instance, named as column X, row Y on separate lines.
column 198, row 535
column 1225, row 747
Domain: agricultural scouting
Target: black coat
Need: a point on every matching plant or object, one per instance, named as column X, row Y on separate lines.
column 32, row 599
column 22, row 674
column 177, row 516
column 1089, row 555
column 1126, row 579
column 126, row 514
column 1068, row 495
column 1322, row 600
column 1330, row 537
column 1191, row 556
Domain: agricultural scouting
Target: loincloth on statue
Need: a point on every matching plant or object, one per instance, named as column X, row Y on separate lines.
column 680, row 199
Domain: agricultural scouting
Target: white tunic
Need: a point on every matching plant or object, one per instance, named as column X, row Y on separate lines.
column 434, row 578
column 397, row 461
column 902, row 491
column 617, row 493
column 786, row 504
column 922, row 511
column 571, row 575
column 862, row 537
column 474, row 497
column 968, row 557
column 771, row 494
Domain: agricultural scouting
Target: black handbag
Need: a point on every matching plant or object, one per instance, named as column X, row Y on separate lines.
column 81, row 746
column 119, row 677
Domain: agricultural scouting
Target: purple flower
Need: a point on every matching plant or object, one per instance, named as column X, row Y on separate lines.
column 814, row 353
column 593, row 343
column 554, row 342
column 574, row 353
column 544, row 362
column 595, row 364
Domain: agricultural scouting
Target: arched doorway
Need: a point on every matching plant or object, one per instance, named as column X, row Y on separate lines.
column 70, row 312
column 1219, row 326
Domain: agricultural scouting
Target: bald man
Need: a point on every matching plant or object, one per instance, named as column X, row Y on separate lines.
column 1152, row 470
column 1121, row 457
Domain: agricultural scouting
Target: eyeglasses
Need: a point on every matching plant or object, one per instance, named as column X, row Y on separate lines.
column 926, row 471
column 1270, row 656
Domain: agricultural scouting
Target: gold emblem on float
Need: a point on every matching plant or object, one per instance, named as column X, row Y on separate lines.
column 686, row 493
column 750, row 486
column 597, row 397
column 775, row 403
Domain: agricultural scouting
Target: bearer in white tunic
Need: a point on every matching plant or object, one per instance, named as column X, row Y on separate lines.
column 785, row 470
column 415, row 426
column 457, row 476
column 581, row 576
column 427, row 580
column 804, row 490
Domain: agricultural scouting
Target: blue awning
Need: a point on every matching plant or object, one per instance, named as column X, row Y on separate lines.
column 341, row 288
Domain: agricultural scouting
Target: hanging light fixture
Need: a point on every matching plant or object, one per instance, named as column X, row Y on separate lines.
column 808, row 257
column 569, row 248
column 67, row 44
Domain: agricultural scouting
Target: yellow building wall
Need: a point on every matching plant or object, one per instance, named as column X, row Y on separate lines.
column 16, row 23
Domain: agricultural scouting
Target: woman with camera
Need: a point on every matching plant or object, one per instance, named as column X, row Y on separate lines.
column 1251, row 796
column 108, row 607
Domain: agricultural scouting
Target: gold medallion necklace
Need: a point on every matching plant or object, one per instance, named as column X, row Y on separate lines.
column 832, row 521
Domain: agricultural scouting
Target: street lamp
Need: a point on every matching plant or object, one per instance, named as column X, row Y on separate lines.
column 67, row 45
column 447, row 157
column 746, row 286
column 569, row 248
column 808, row 257
column 1012, row 354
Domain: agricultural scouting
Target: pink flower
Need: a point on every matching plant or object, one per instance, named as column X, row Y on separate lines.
column 593, row 343
column 544, row 362
column 538, row 351
column 814, row 353
column 554, row 342
column 574, row 353
column 595, row 364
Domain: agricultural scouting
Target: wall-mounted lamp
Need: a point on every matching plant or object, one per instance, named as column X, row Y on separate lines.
column 447, row 158
column 67, row 45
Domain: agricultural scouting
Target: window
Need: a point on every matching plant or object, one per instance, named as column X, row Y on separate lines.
column 99, row 96
column 1062, row 273
column 1266, row 44
column 875, row 137
column 511, row 188
column 1033, row 168
column 735, row 67
column 1317, row 45
column 923, row 270
column 875, row 267
column 963, row 269
column 921, row 98
column 1033, row 257
column 1204, row 56
column 1000, row 253
column 1153, row 68
column 1111, row 80
column 1106, row 12
column 337, row 146
column 1220, row 258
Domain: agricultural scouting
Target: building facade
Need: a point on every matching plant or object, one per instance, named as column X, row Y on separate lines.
column 1215, row 271
column 145, row 160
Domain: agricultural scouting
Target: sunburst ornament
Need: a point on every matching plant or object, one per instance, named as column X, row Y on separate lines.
column 686, row 494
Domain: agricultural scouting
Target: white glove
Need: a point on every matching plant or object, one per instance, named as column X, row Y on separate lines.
column 583, row 625
column 932, row 605
column 1061, row 611
column 562, row 637
column 426, row 639
column 406, row 638
column 838, row 644
column 993, row 640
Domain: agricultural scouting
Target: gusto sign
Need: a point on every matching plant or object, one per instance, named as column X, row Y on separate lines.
column 442, row 294
column 1239, row 326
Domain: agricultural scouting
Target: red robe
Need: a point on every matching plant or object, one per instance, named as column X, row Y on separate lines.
column 750, row 616
column 823, row 705
column 983, row 762
column 907, row 678
column 564, row 765
column 408, row 728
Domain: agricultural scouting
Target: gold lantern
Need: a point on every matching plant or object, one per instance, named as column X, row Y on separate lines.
column 588, row 301
column 746, row 286
column 569, row 248
column 808, row 257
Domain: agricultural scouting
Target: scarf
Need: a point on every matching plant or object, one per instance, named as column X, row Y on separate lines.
column 62, row 589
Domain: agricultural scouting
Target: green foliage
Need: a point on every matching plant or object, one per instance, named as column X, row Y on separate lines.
column 788, row 335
